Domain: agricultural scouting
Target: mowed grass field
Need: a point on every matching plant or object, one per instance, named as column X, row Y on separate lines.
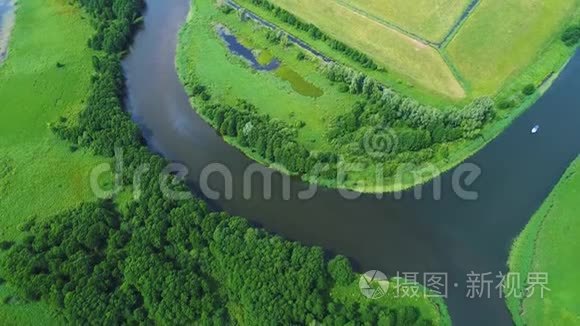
column 550, row 244
column 429, row 19
column 501, row 38
column 39, row 175
column 390, row 48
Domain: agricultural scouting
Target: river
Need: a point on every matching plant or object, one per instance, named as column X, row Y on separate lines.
column 392, row 235
column 6, row 23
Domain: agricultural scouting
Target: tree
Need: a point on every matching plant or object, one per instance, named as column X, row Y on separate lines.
column 571, row 35
column 340, row 270
column 529, row 89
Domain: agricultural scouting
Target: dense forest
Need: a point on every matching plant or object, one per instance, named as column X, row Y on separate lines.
column 157, row 261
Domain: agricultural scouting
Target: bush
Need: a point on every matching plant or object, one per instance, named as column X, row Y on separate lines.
column 507, row 104
column 340, row 270
column 529, row 89
column 5, row 245
column 571, row 35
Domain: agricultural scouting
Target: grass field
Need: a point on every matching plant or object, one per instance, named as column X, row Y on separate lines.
column 390, row 48
column 429, row 19
column 550, row 243
column 501, row 38
column 39, row 175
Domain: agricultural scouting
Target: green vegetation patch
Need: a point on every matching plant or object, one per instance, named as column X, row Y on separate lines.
column 550, row 244
column 296, row 92
column 45, row 77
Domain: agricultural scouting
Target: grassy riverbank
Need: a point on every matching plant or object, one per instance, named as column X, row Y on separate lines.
column 550, row 244
column 39, row 175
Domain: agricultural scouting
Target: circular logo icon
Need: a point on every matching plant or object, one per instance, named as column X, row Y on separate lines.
column 380, row 141
column 373, row 284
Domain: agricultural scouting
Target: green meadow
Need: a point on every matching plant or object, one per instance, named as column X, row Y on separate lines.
column 45, row 77
column 500, row 39
column 550, row 244
column 283, row 94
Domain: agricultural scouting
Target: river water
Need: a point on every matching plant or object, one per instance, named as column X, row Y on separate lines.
column 393, row 235
column 6, row 22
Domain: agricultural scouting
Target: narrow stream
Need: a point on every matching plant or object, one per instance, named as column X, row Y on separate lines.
column 392, row 235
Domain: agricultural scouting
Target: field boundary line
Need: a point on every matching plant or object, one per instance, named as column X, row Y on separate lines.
column 255, row 17
column 454, row 70
column 438, row 46
column 459, row 23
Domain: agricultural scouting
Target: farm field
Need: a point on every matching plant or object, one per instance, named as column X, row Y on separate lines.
column 407, row 56
column 490, row 47
column 550, row 244
column 39, row 175
column 430, row 20
column 486, row 54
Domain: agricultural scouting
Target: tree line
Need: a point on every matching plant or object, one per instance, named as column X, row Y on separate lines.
column 316, row 33
column 417, row 126
column 157, row 261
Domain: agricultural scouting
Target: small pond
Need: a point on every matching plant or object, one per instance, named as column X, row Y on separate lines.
column 264, row 61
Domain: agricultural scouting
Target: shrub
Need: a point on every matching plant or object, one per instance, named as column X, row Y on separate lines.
column 340, row 270
column 571, row 35
column 5, row 245
column 529, row 89
column 507, row 104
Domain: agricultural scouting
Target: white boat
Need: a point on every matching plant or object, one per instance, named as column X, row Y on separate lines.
column 535, row 129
